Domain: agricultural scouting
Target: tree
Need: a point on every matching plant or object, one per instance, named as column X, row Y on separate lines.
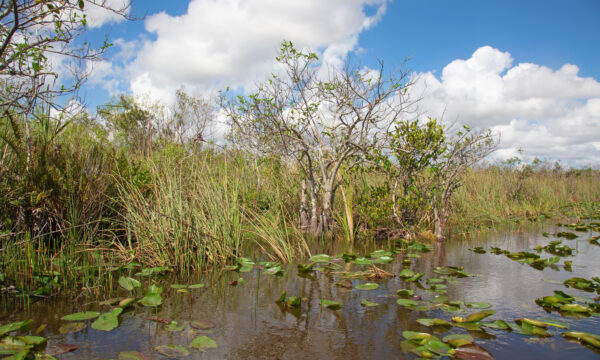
column 463, row 149
column 319, row 121
column 32, row 33
column 190, row 117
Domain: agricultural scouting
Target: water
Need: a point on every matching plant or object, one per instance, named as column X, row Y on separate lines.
column 250, row 325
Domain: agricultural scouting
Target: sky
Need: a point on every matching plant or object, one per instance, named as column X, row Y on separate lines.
column 526, row 69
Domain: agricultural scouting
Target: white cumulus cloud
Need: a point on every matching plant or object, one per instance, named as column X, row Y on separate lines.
column 551, row 114
column 234, row 42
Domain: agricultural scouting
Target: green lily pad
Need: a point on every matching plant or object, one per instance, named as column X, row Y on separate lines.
column 172, row 351
column 175, row 327
column 151, row 300
column 178, row 286
column 406, row 302
column 131, row 355
column 108, row 321
column 434, row 322
column 406, row 273
column 203, row 343
column 584, row 338
column 474, row 317
column 294, row 301
column 305, row 268
column 126, row 302
column 405, row 292
column 383, row 260
column 367, row 286
column 5, row 329
column 367, row 303
column 434, row 281
column 362, row 261
column 196, row 286
column 478, row 305
column 80, row 316
column 380, row 253
column 456, row 340
column 275, row 270
column 71, row 327
column 320, row 258
column 128, row 283
column 330, row 304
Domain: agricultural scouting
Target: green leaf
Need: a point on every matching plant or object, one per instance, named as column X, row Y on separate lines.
column 434, row 322
column 367, row 286
column 151, row 300
column 5, row 329
column 131, row 355
column 405, row 292
column 320, row 258
column 367, row 303
column 175, row 327
column 172, row 351
column 71, row 327
column 80, row 316
column 203, row 343
column 330, row 304
column 196, row 286
column 108, row 321
column 406, row 302
column 478, row 305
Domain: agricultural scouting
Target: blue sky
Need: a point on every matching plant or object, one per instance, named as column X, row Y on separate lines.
column 496, row 64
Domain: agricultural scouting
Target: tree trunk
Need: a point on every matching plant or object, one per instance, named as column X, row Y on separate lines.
column 304, row 207
column 441, row 223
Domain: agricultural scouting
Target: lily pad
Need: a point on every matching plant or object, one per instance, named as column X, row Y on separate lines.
column 80, row 316
column 472, row 352
column 131, row 355
column 367, row 303
column 330, row 304
column 405, row 292
column 172, row 351
column 203, row 343
column 5, row 329
column 275, row 270
column 380, row 253
column 202, row 325
column 71, row 327
column 367, row 286
column 362, row 261
column 196, row 286
column 434, row 322
column 320, row 258
column 406, row 302
column 151, row 300
column 478, row 305
column 128, row 283
column 108, row 321
column 175, row 326
column 456, row 340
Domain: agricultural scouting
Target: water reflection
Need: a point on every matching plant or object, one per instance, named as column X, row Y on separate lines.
column 250, row 325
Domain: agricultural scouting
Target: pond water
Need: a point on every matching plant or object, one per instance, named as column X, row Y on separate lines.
column 249, row 324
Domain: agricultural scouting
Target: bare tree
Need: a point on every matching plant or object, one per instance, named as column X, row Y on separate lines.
column 191, row 117
column 321, row 121
column 34, row 36
column 463, row 150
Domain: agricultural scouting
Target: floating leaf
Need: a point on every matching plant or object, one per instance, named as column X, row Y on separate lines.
column 367, row 286
column 275, row 270
column 304, row 268
column 131, row 355
column 196, row 286
column 5, row 329
column 478, row 305
column 80, row 316
column 406, row 302
column 583, row 337
column 362, row 261
column 321, row 258
column 457, row 340
column 474, row 317
column 472, row 352
column 175, row 327
column 71, row 327
column 367, row 303
column 405, row 292
column 383, row 260
column 128, row 283
column 151, row 300
column 380, row 253
column 178, row 286
column 330, row 304
column 108, row 321
column 294, row 301
column 434, row 322
column 203, row 343
column 172, row 351
column 202, row 325
column 282, row 297
column 126, row 302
